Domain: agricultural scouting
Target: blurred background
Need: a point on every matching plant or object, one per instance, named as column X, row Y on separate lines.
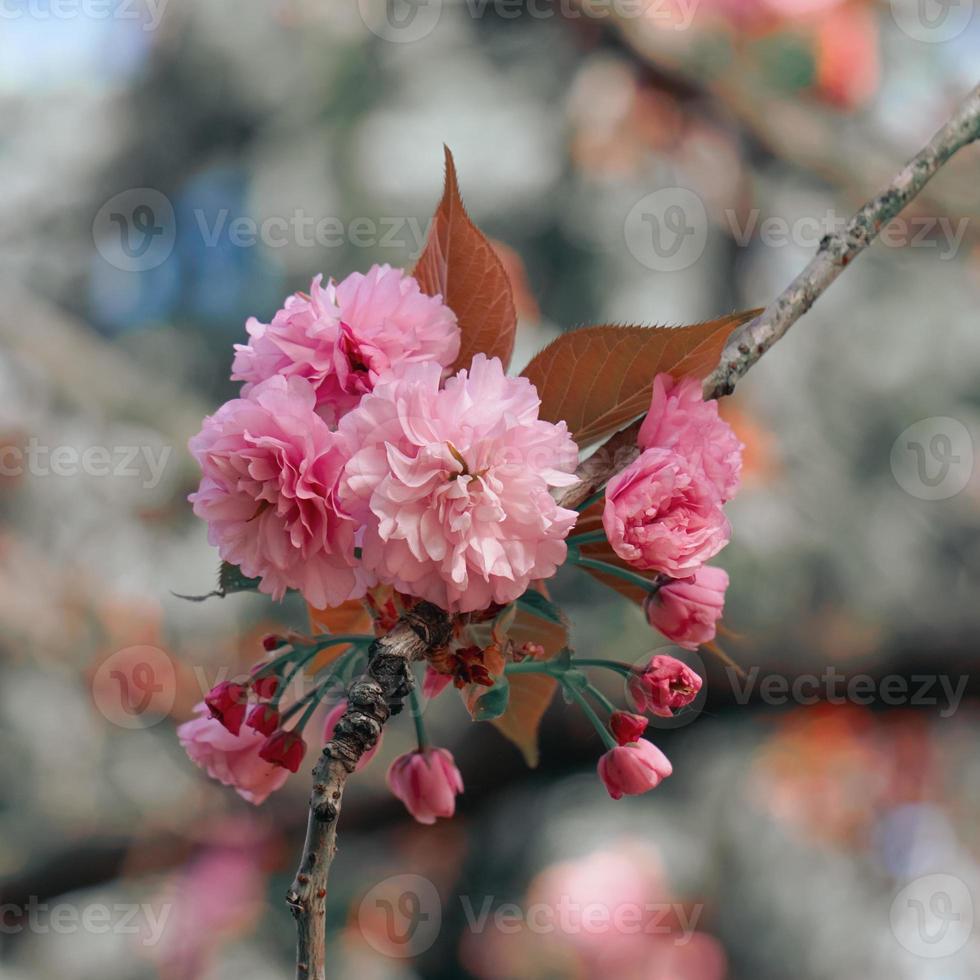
column 170, row 168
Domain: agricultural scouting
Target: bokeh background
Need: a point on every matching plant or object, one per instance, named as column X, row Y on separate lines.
column 169, row 168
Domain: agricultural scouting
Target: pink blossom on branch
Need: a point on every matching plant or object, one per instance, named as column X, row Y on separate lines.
column 452, row 485
column 344, row 338
column 680, row 419
column 268, row 493
column 231, row 759
column 687, row 610
column 427, row 782
column 662, row 514
column 663, row 686
column 628, row 770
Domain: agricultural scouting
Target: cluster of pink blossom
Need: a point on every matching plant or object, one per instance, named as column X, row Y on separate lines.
column 350, row 459
column 355, row 460
column 664, row 512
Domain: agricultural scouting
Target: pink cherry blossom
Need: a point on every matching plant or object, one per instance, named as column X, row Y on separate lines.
column 687, row 610
column 664, row 685
column 345, row 337
column 270, row 469
column 231, row 759
column 427, row 782
column 662, row 514
column 330, row 723
column 628, row 770
column 453, row 485
column 680, row 419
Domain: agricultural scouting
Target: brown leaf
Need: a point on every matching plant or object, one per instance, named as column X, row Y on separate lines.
column 460, row 264
column 530, row 694
column 598, row 379
column 351, row 616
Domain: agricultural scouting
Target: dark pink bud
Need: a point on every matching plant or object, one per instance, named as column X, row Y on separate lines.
column 284, row 748
column 271, row 642
column 227, row 702
column 265, row 687
column 263, row 718
column 627, row 727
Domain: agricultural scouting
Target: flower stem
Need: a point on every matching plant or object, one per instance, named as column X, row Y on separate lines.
column 587, row 537
column 602, row 699
column 624, row 669
column 623, row 573
column 587, row 709
column 589, row 501
column 416, row 707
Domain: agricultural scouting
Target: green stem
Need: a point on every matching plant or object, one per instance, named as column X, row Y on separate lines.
column 588, row 537
column 579, row 699
column 355, row 640
column 625, row 574
column 416, row 707
column 535, row 667
column 602, row 699
column 624, row 669
column 589, row 501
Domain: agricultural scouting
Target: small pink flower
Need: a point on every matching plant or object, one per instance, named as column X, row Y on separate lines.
column 427, row 782
column 663, row 686
column 453, row 485
column 680, row 419
column 270, row 468
column 231, row 759
column 661, row 514
column 284, row 748
column 627, row 727
column 687, row 610
column 227, row 703
column 330, row 723
column 629, row 770
column 344, row 338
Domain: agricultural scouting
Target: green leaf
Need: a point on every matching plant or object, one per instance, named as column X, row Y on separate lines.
column 494, row 703
column 230, row 579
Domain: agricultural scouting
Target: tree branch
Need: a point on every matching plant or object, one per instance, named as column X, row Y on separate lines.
column 835, row 253
column 378, row 695
column 371, row 700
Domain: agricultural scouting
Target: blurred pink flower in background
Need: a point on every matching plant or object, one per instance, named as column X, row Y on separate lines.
column 687, row 610
column 663, row 514
column 453, row 485
column 427, row 782
column 270, row 468
column 680, row 419
column 608, row 914
column 344, row 337
column 231, row 759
